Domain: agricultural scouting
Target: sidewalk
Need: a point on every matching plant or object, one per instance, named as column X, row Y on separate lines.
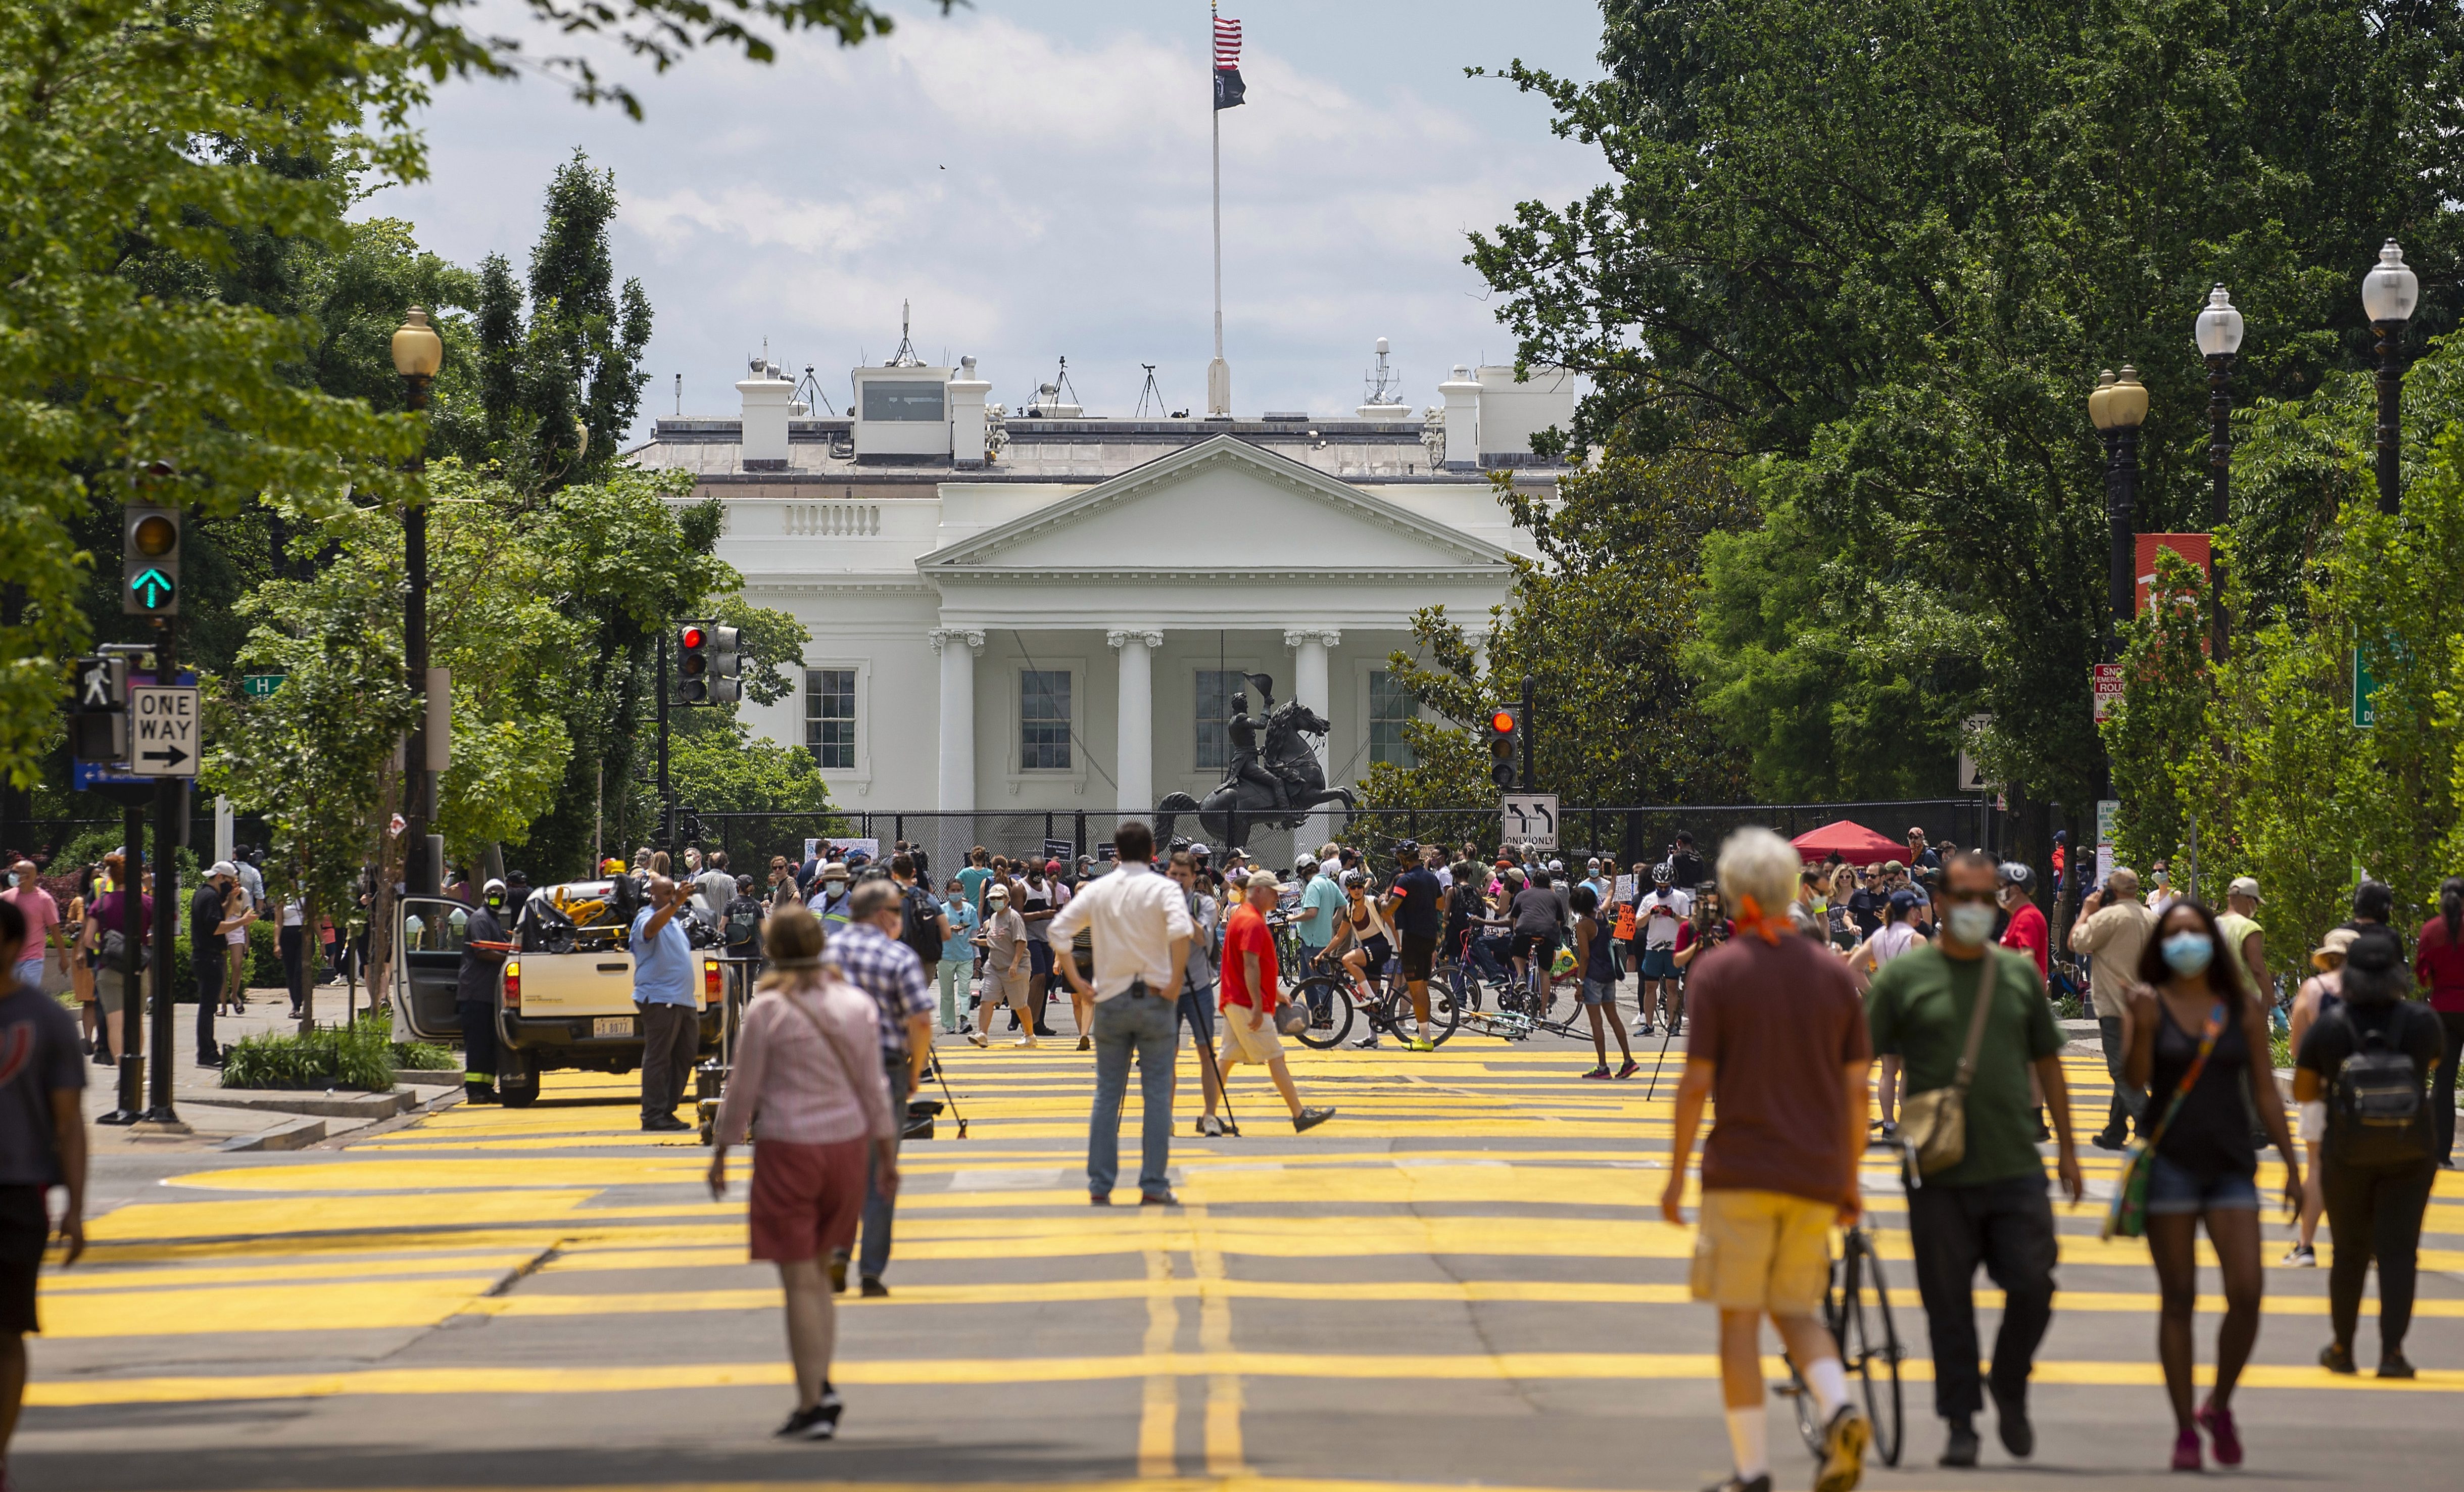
column 209, row 1125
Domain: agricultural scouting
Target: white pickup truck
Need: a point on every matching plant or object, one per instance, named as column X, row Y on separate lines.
column 554, row 1009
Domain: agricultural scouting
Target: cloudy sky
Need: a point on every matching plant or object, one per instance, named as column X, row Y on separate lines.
column 1032, row 175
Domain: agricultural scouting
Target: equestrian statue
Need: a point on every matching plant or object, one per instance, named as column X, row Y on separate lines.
column 1275, row 783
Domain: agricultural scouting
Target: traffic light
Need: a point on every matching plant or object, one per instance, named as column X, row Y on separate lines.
column 98, row 711
column 726, row 667
column 693, row 663
column 708, row 669
column 149, row 559
column 1505, row 742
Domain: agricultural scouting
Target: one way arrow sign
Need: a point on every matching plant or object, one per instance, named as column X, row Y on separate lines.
column 162, row 730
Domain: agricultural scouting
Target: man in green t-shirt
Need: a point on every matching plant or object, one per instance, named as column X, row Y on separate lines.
column 1992, row 1208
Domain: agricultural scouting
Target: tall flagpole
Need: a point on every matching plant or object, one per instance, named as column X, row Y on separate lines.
column 1219, row 373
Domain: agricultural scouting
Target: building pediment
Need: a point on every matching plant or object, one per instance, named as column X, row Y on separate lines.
column 1224, row 508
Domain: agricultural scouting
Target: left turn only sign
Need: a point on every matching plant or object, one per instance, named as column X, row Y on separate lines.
column 162, row 730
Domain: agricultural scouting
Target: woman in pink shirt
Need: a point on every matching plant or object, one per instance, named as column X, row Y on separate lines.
column 809, row 1065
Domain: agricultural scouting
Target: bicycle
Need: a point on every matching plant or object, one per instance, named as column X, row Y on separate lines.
column 1856, row 1307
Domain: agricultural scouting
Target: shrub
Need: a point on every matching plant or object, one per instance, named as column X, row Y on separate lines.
column 362, row 1055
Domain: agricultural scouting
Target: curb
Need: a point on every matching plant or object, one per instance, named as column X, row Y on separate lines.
column 297, row 1133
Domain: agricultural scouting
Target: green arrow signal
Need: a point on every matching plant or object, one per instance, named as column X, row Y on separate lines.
column 153, row 588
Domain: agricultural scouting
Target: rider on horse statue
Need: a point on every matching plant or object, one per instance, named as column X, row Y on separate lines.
column 1248, row 762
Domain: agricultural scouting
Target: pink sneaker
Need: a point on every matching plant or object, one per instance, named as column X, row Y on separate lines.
column 2185, row 1452
column 2219, row 1425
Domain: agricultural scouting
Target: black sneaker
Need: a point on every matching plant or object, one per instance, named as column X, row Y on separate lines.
column 2011, row 1418
column 103, row 1059
column 2337, row 1358
column 1737, row 1483
column 2107, row 1140
column 2393, row 1365
column 874, row 1290
column 479, row 1093
column 808, row 1425
column 1157, row 1200
column 1310, row 1118
column 1959, row 1448
column 210, row 1059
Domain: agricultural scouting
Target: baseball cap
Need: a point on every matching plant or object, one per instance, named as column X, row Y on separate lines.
column 2244, row 886
column 493, row 885
column 1903, row 900
column 1307, row 862
column 223, row 867
column 1052, row 867
column 1201, row 851
column 1263, row 877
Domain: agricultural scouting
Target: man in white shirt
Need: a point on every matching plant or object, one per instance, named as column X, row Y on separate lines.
column 1662, row 909
column 1141, row 928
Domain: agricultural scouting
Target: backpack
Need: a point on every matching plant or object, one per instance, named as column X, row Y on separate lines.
column 2376, row 1108
column 919, row 925
column 743, row 922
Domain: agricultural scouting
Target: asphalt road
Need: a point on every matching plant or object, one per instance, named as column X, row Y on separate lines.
column 1462, row 1279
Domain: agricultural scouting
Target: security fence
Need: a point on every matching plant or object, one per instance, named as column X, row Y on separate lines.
column 1626, row 834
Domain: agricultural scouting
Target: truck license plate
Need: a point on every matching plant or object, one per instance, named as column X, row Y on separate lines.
column 612, row 1025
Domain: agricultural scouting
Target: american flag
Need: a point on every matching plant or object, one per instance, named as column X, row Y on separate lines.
column 1228, row 88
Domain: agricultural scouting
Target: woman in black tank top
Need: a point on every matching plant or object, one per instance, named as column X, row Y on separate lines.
column 2203, row 1169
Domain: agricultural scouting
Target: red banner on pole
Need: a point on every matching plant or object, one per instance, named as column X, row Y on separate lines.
column 2194, row 547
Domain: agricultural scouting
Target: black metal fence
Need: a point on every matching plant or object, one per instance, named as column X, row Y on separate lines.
column 1629, row 834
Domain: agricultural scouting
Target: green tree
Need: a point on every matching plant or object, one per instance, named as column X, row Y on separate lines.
column 1887, row 244
column 1598, row 624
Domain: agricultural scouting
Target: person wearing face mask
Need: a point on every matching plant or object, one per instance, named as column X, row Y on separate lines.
column 484, row 947
column 2198, row 1047
column 830, row 898
column 1962, row 1013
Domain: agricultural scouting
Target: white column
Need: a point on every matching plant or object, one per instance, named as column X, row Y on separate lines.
column 1134, row 751
column 1309, row 646
column 958, row 648
column 1461, row 393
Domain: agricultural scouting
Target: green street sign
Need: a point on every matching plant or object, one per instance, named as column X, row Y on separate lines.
column 2364, row 687
column 257, row 686
column 153, row 590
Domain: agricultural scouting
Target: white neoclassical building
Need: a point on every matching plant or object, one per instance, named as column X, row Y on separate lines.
column 1048, row 612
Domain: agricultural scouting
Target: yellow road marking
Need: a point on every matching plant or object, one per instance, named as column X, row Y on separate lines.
column 85, row 1277
column 1224, row 1457
column 1500, row 1366
column 1159, row 1412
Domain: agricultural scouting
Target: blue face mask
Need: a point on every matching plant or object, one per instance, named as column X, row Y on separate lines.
column 2189, row 954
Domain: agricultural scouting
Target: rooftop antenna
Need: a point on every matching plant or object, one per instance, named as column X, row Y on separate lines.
column 810, row 390
column 680, row 396
column 1061, row 384
column 1384, row 383
column 1150, row 391
column 905, row 357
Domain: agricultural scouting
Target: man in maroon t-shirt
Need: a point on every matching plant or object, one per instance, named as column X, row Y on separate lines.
column 1778, row 1039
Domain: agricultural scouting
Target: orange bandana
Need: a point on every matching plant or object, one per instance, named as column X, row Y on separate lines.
column 1751, row 919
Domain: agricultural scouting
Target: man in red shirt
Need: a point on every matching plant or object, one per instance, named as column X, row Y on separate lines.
column 1777, row 1041
column 2026, row 930
column 1249, row 985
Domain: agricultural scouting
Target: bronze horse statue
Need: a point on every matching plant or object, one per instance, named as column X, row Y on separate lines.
column 1240, row 806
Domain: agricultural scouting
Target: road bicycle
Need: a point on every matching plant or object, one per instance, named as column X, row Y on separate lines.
column 1856, row 1307
column 1333, row 1004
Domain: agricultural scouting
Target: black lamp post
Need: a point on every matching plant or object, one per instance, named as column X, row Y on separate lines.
column 2117, row 408
column 2218, row 333
column 2389, row 291
column 418, row 352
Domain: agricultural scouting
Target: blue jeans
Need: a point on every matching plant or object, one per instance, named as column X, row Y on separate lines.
column 873, row 1247
column 1149, row 1026
column 2129, row 1104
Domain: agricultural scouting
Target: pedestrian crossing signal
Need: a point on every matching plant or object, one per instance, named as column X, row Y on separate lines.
column 1505, row 743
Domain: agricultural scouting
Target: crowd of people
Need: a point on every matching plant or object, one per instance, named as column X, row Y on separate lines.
column 1825, row 1008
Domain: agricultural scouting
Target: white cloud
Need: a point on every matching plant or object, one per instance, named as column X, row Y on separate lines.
column 1035, row 181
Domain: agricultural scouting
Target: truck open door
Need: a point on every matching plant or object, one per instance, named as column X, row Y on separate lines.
column 428, row 932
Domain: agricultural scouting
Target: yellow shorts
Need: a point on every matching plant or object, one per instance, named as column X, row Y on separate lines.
column 1241, row 1044
column 1765, row 1251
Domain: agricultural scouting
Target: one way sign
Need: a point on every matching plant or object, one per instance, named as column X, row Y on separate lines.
column 163, row 731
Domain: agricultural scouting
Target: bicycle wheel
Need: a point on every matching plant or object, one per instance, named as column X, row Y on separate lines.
column 1445, row 1013
column 1333, row 996
column 1801, row 1402
column 1869, row 1342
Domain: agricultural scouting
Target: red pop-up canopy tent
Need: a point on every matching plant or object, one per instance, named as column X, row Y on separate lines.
column 1856, row 843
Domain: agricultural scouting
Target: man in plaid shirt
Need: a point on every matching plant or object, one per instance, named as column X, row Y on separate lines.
column 869, row 953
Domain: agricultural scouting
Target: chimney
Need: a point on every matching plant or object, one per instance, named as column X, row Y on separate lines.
column 967, row 417
column 1461, row 393
column 766, row 393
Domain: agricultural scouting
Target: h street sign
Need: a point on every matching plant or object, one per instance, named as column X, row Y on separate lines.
column 163, row 731
column 1531, row 817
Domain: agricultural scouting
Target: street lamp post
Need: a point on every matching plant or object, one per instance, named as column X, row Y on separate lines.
column 2389, row 291
column 2117, row 408
column 418, row 352
column 2217, row 331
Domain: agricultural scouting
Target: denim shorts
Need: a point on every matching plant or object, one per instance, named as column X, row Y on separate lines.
column 2173, row 1192
column 1599, row 992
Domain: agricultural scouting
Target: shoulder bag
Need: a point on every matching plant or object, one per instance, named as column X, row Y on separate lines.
column 1934, row 1124
column 2128, row 1215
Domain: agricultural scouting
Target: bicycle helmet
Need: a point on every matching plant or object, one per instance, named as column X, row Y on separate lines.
column 1662, row 873
column 2012, row 872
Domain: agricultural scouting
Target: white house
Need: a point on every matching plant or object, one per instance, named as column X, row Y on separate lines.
column 1047, row 613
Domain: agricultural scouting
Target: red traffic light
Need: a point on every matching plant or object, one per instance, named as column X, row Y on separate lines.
column 694, row 637
column 1501, row 722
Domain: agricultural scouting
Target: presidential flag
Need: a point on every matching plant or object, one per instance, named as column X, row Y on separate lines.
column 1227, row 64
